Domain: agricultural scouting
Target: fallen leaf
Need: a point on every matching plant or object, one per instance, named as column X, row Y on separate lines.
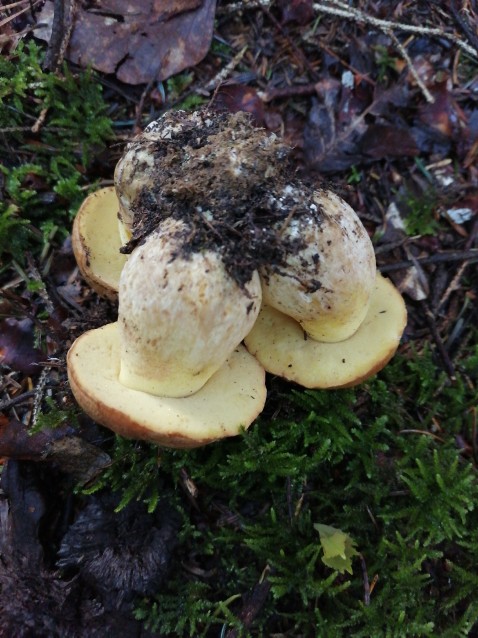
column 17, row 350
column 383, row 140
column 443, row 113
column 330, row 145
column 239, row 97
column 70, row 453
column 338, row 548
column 138, row 42
column 411, row 281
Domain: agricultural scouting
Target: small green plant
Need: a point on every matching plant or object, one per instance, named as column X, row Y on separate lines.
column 54, row 124
column 421, row 216
column 53, row 417
column 355, row 176
column 386, row 62
column 14, row 232
column 339, row 548
column 177, row 91
column 133, row 471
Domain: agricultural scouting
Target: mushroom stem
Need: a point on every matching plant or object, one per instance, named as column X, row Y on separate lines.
column 182, row 316
column 327, row 282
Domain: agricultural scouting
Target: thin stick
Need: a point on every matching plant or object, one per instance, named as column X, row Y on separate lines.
column 225, row 72
column 366, row 584
column 404, row 53
column 343, row 10
column 63, row 19
column 21, row 398
column 460, row 255
column 39, row 392
column 453, row 284
column 15, row 15
column 449, row 367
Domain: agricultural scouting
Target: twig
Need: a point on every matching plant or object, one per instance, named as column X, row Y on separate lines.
column 63, row 19
column 359, row 74
column 463, row 24
column 460, row 255
column 220, row 77
column 453, row 284
column 39, row 121
column 343, row 10
column 34, row 273
column 449, row 367
column 424, row 433
column 366, row 584
column 19, row 129
column 39, row 391
column 21, row 398
column 15, row 15
column 288, row 91
column 404, row 53
column 12, row 5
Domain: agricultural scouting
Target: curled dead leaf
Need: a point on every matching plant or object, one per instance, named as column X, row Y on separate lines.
column 138, row 42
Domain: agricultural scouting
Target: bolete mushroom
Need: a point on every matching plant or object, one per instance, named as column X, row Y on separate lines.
column 328, row 319
column 96, row 242
column 211, row 211
column 172, row 369
column 326, row 282
column 282, row 346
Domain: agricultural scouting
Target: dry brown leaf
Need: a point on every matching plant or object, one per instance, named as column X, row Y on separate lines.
column 139, row 42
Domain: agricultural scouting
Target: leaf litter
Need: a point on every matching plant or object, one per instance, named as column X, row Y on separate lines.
column 353, row 100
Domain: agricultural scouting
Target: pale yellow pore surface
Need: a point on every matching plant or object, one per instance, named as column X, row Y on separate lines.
column 232, row 398
column 283, row 348
column 325, row 285
column 96, row 242
column 180, row 316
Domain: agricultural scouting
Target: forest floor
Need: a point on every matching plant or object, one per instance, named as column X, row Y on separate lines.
column 102, row 534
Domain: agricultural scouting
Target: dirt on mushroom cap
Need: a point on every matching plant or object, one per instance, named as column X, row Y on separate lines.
column 228, row 181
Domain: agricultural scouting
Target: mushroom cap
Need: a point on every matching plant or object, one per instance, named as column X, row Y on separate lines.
column 96, row 242
column 327, row 282
column 282, row 347
column 140, row 165
column 180, row 313
column 230, row 401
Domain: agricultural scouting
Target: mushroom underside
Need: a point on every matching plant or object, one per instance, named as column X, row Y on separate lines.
column 229, row 402
column 96, row 242
column 280, row 344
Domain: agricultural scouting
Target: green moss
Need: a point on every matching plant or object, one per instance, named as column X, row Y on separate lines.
column 53, row 417
column 390, row 464
column 380, row 463
column 44, row 171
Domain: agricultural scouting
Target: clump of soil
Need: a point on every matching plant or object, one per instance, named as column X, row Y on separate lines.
column 233, row 184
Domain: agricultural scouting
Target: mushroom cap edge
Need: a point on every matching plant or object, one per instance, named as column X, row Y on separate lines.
column 96, row 242
column 282, row 347
column 231, row 400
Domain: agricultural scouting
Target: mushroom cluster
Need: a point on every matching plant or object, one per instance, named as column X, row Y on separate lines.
column 211, row 241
